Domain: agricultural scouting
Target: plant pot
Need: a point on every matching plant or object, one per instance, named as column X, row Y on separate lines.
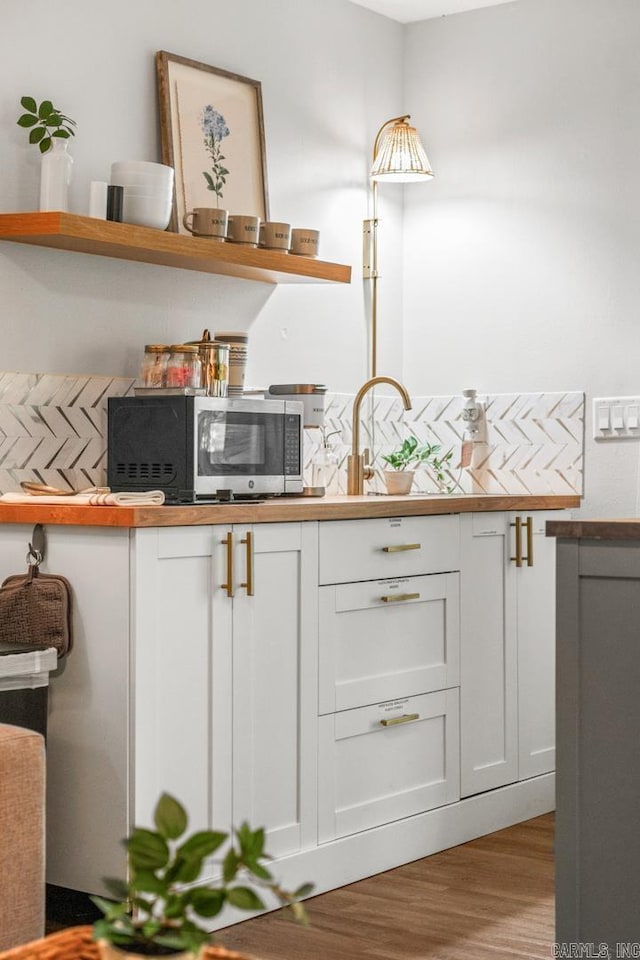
column 399, row 482
column 108, row 951
column 216, row 951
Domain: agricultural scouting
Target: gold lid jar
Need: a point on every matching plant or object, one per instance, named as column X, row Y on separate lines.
column 153, row 368
column 183, row 367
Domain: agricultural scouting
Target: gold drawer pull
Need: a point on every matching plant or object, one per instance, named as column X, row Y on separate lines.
column 528, row 523
column 228, row 586
column 248, row 585
column 396, row 597
column 405, row 718
column 402, row 546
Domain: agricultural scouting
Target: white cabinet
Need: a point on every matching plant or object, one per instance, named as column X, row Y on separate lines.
column 224, row 663
column 508, row 647
column 387, row 761
column 400, row 635
column 388, row 742
column 339, row 682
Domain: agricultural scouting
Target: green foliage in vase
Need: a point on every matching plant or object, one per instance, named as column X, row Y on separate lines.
column 410, row 453
column 45, row 122
column 160, row 908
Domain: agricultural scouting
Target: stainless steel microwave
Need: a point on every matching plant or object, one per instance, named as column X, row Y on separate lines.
column 205, row 448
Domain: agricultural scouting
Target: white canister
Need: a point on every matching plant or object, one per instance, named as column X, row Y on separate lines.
column 312, row 396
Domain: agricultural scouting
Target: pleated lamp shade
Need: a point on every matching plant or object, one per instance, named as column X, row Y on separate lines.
column 401, row 156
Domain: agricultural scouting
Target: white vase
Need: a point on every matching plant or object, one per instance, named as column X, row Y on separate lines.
column 55, row 176
column 398, row 482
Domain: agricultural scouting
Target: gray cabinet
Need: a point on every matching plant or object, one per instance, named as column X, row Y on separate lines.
column 598, row 731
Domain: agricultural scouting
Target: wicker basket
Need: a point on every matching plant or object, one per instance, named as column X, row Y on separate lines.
column 76, row 943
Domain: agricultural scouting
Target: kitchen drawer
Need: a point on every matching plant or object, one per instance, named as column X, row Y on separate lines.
column 370, row 774
column 387, row 638
column 352, row 550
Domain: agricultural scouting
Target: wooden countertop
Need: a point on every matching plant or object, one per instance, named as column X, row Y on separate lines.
column 275, row 510
column 626, row 529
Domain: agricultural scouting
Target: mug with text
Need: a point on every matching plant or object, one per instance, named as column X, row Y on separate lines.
column 305, row 242
column 244, row 230
column 207, row 222
column 275, row 236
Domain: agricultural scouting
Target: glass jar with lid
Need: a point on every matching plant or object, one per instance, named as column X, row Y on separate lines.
column 154, row 365
column 183, row 368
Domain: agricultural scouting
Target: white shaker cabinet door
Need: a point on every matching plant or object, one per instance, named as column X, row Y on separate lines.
column 386, row 762
column 488, row 654
column 508, row 633
column 387, row 638
column 174, row 675
column 275, row 682
column 225, row 676
column 536, row 653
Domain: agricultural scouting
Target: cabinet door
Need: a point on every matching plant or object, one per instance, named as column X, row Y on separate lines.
column 536, row 619
column 387, row 638
column 275, row 682
column 173, row 748
column 386, row 762
column 488, row 658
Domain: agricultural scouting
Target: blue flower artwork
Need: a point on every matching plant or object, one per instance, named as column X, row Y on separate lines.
column 214, row 129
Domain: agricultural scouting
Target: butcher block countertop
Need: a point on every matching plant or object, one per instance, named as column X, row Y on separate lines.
column 275, row 510
column 594, row 529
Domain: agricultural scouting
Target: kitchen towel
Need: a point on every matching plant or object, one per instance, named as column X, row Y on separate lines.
column 123, row 499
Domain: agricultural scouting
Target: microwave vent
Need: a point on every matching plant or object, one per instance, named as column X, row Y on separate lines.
column 145, row 472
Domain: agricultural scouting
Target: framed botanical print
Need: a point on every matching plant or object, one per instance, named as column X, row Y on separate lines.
column 212, row 134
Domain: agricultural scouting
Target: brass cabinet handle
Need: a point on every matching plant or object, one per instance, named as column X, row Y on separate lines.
column 528, row 523
column 228, row 586
column 519, row 524
column 402, row 546
column 397, row 597
column 248, row 541
column 405, row 718
column 518, row 556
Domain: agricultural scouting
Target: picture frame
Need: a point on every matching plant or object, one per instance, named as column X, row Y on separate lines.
column 212, row 134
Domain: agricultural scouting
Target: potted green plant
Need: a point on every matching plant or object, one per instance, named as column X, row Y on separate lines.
column 399, row 479
column 50, row 129
column 45, row 122
column 160, row 910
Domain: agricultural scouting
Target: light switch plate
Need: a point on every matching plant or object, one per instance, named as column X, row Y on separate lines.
column 615, row 418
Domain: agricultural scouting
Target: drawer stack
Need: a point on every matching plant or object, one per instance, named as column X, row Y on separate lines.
column 388, row 670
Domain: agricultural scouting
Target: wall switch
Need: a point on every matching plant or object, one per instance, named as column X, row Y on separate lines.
column 615, row 418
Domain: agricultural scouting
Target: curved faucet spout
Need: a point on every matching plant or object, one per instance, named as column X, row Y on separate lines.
column 358, row 468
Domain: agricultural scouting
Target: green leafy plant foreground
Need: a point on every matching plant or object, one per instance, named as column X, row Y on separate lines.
column 157, row 911
column 45, row 122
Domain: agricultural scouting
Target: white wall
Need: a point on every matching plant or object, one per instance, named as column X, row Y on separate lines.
column 331, row 72
column 521, row 257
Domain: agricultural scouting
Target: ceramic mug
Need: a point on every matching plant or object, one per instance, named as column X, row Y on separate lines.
column 275, row 236
column 207, row 222
column 244, row 230
column 305, row 242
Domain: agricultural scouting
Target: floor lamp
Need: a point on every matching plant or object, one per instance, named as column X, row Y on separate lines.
column 398, row 155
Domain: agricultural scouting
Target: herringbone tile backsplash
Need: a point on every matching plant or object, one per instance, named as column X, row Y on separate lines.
column 53, row 429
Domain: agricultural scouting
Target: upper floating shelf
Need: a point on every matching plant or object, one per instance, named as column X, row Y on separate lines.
column 68, row 231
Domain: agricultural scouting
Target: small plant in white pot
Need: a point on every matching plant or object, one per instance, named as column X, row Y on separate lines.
column 160, row 911
column 399, row 479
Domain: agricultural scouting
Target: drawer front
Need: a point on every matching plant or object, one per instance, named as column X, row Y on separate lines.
column 352, row 550
column 371, row 773
column 385, row 639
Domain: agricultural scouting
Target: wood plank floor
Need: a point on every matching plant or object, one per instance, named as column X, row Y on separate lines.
column 490, row 899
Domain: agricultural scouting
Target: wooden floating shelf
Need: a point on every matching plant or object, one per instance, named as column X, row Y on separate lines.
column 68, row 231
